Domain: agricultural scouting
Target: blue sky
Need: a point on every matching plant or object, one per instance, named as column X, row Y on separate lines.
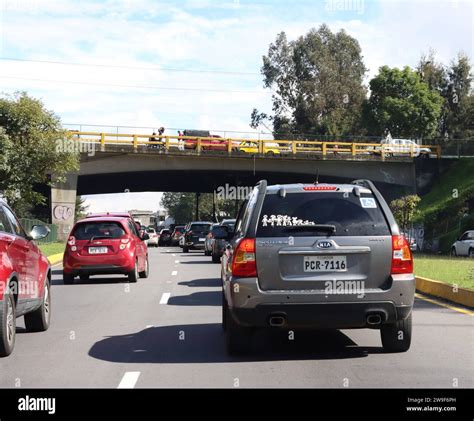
column 149, row 36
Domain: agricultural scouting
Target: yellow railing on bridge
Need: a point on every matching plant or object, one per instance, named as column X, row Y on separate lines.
column 261, row 147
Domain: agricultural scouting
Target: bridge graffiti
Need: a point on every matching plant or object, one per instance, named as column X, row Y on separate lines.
column 63, row 212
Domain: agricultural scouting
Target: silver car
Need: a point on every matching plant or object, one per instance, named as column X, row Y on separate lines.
column 317, row 256
column 464, row 245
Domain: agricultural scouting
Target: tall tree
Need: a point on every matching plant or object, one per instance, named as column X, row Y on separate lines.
column 317, row 83
column 29, row 152
column 402, row 103
column 453, row 83
column 459, row 97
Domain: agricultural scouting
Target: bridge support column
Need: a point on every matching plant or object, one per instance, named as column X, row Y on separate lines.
column 63, row 205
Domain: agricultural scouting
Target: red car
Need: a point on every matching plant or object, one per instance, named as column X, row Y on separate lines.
column 25, row 279
column 105, row 245
column 210, row 142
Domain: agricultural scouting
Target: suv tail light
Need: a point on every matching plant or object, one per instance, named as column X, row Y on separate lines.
column 402, row 259
column 243, row 261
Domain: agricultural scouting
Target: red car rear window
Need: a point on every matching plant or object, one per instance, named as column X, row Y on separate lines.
column 102, row 229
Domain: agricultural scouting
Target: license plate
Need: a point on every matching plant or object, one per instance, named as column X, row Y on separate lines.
column 202, row 239
column 97, row 250
column 325, row 264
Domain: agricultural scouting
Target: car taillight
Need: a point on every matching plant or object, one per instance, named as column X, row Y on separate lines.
column 125, row 240
column 71, row 240
column 243, row 261
column 402, row 259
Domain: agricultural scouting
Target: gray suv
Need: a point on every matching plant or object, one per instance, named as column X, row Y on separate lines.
column 317, row 256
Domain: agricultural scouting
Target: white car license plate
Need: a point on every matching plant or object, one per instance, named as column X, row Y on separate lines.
column 97, row 250
column 325, row 264
column 202, row 239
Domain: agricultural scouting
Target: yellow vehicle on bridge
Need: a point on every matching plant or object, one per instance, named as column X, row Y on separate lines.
column 269, row 148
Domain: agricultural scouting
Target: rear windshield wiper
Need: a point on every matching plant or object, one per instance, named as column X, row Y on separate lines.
column 309, row 227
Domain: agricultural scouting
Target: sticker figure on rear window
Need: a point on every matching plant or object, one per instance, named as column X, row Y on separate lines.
column 368, row 202
column 284, row 221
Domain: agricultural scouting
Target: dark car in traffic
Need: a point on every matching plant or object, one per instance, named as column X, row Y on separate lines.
column 221, row 239
column 165, row 237
column 195, row 235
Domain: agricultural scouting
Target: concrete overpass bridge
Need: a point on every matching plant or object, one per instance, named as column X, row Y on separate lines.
column 112, row 163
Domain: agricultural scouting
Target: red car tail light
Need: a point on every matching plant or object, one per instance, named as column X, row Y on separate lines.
column 244, row 264
column 402, row 259
column 71, row 241
column 125, row 240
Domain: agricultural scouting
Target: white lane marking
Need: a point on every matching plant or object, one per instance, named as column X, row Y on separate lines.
column 165, row 297
column 176, row 261
column 174, row 273
column 129, row 380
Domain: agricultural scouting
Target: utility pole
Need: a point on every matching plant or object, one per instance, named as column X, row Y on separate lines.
column 197, row 206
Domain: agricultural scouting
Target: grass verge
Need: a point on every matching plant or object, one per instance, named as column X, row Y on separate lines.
column 52, row 248
column 452, row 270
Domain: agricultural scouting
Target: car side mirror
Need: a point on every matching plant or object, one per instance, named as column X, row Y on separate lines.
column 144, row 236
column 38, row 232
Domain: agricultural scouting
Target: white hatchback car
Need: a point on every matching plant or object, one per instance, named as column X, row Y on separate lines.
column 464, row 245
column 154, row 237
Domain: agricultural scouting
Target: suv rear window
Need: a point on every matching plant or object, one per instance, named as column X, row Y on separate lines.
column 351, row 215
column 106, row 229
column 200, row 227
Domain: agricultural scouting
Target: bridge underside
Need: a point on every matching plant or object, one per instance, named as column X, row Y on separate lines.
column 204, row 181
column 119, row 172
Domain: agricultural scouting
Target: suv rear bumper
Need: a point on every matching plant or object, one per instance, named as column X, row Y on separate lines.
column 321, row 315
column 251, row 306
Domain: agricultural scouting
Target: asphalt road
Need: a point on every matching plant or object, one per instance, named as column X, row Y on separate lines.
column 165, row 331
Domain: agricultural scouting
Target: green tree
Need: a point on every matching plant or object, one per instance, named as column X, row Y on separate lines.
column 402, row 103
column 29, row 152
column 179, row 205
column 405, row 210
column 459, row 98
column 453, row 83
column 317, row 84
column 182, row 206
column 81, row 208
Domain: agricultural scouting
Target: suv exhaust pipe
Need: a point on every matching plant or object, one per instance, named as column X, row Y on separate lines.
column 374, row 319
column 276, row 320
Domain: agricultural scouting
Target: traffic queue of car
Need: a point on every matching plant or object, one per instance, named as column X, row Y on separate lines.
column 275, row 244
